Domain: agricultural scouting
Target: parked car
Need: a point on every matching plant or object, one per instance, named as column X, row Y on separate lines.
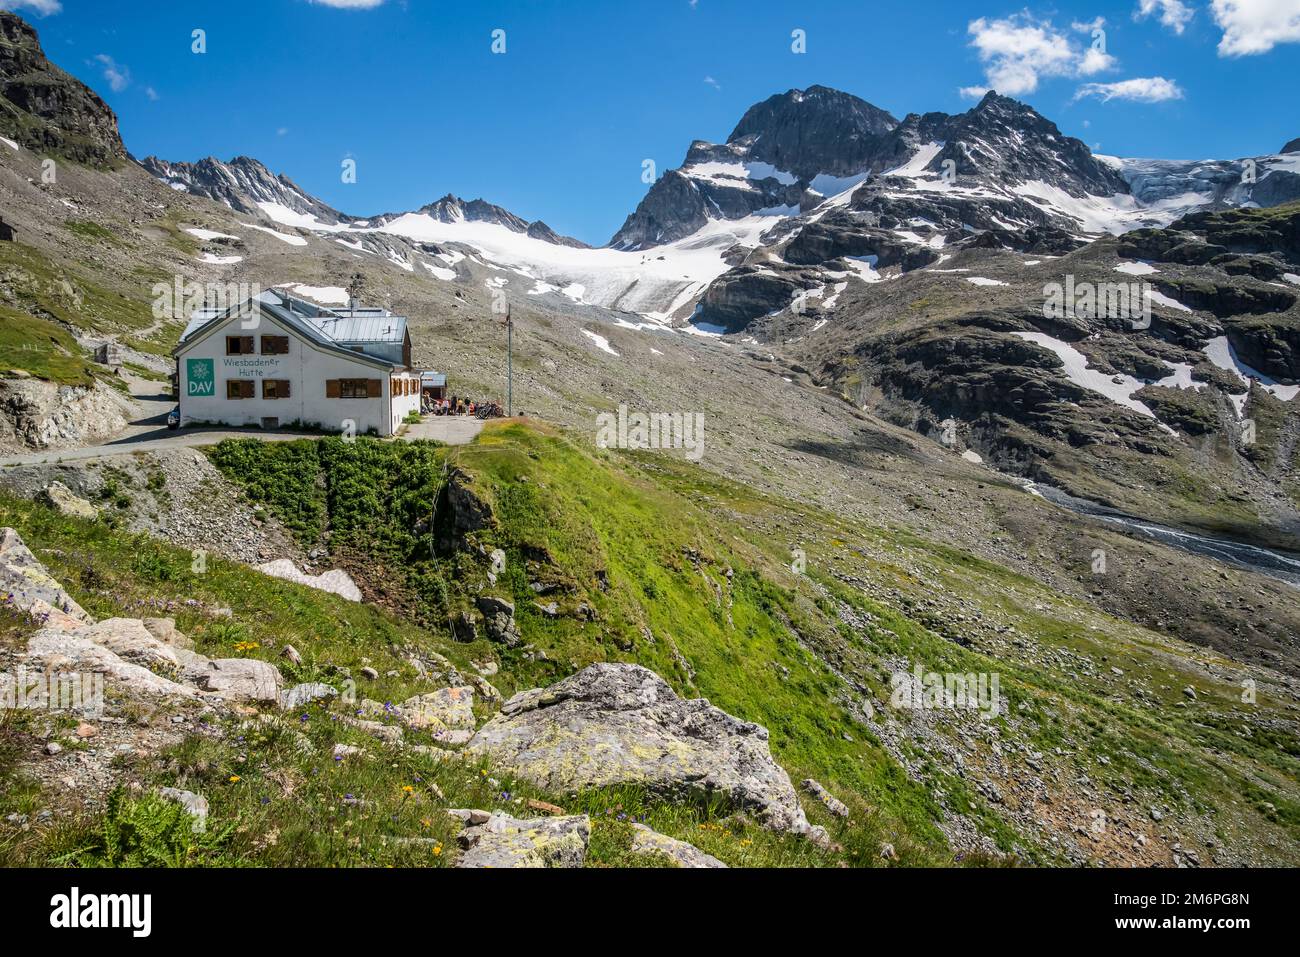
column 174, row 418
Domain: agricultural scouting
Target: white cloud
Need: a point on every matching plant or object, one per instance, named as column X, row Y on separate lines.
column 1256, row 26
column 1018, row 50
column 712, row 82
column 349, row 4
column 1148, row 89
column 1174, row 14
column 42, row 8
column 1096, row 60
column 118, row 77
column 151, row 93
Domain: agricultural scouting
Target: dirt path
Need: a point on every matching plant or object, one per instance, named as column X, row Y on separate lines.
column 450, row 429
column 148, row 432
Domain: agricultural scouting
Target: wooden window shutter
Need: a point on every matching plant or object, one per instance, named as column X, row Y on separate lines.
column 331, row 388
column 246, row 346
column 282, row 389
column 375, row 388
column 246, row 389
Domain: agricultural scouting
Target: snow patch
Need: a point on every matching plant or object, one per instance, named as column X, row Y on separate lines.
column 206, row 234
column 1220, row 352
column 335, row 581
column 1077, row 371
column 325, row 295
column 601, row 342
column 1160, row 298
column 441, row 272
column 283, row 237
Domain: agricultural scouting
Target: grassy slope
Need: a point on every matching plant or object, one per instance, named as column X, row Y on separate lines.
column 662, row 535
column 41, row 349
column 50, row 302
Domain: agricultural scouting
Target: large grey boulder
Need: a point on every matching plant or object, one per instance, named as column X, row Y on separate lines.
column 165, row 630
column 67, row 502
column 648, row 841
column 499, row 621
column 504, row 841
column 128, row 638
column 613, row 724
column 59, row 650
column 28, row 587
column 443, row 710
column 237, row 678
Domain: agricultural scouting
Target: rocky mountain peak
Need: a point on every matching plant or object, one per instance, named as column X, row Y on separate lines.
column 770, row 160
column 453, row 209
column 1009, row 142
column 48, row 110
column 244, row 184
column 1292, row 147
column 812, row 131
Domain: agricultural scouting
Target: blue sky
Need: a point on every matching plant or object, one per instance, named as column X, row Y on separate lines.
column 557, row 127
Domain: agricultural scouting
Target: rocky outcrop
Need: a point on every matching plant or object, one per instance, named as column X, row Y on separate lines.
column 48, row 110
column 1269, row 346
column 499, row 621
column 35, row 414
column 828, row 800
column 143, row 657
column 504, row 841
column 61, row 498
column 1216, row 237
column 62, row 651
column 613, row 724
column 26, row 586
column 748, row 292
column 461, row 511
column 447, row 709
column 647, row 841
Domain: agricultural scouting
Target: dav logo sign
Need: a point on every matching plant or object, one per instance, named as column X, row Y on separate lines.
column 200, row 374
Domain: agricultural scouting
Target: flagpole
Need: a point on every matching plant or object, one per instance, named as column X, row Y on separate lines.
column 510, row 364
